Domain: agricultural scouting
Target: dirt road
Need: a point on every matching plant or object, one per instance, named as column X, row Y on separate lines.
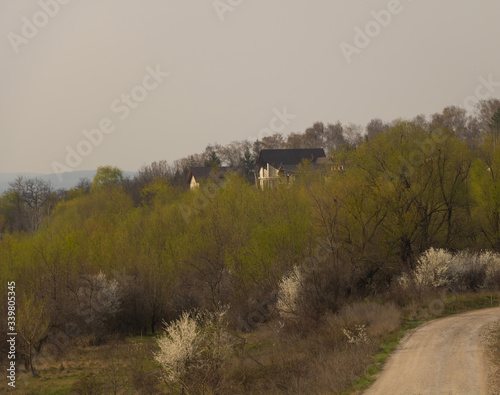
column 445, row 356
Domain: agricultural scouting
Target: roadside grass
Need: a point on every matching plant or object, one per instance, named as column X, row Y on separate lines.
column 455, row 304
column 387, row 347
column 451, row 304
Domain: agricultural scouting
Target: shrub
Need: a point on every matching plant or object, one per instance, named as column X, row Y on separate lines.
column 89, row 384
column 193, row 351
column 99, row 300
column 492, row 270
column 432, row 268
column 372, row 318
column 288, row 303
column 179, row 347
column 462, row 271
column 467, row 270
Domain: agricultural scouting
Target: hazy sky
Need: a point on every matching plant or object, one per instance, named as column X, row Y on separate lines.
column 231, row 66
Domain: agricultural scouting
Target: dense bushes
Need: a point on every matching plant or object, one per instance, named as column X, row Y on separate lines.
column 460, row 272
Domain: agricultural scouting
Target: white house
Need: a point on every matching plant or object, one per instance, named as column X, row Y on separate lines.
column 202, row 174
column 282, row 164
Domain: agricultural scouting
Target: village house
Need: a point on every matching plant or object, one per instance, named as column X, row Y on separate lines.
column 278, row 165
column 202, row 174
column 272, row 165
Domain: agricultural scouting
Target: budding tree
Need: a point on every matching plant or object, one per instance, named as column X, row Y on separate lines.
column 33, row 324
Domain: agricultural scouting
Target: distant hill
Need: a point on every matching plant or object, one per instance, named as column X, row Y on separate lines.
column 69, row 180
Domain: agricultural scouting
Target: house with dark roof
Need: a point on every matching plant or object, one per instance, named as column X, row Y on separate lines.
column 282, row 164
column 202, row 174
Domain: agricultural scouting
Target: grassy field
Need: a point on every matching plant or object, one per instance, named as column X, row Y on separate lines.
column 123, row 366
column 271, row 361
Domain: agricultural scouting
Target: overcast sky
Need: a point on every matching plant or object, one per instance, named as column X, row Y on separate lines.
column 232, row 65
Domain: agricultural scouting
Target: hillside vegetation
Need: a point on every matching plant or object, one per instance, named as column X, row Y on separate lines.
column 281, row 289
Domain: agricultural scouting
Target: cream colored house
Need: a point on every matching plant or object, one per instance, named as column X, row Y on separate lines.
column 202, row 174
column 281, row 165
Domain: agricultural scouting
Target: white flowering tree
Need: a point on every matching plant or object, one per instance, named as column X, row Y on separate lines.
column 431, row 270
column 464, row 270
column 289, row 293
column 474, row 270
column 99, row 299
column 193, row 350
column 179, row 348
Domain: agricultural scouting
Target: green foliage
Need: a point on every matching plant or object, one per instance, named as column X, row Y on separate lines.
column 157, row 192
column 355, row 226
column 32, row 325
column 351, row 229
column 106, row 176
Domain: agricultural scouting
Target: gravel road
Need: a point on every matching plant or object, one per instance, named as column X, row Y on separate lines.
column 444, row 356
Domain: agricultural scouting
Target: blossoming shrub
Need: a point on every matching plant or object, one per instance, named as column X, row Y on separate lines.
column 193, row 351
column 99, row 300
column 179, row 347
column 288, row 303
column 462, row 271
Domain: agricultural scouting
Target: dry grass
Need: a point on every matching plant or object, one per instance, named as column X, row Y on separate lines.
column 273, row 360
column 287, row 364
column 378, row 319
column 278, row 360
column 124, row 367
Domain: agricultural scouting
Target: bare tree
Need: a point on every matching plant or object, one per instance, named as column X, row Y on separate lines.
column 353, row 134
column 84, row 185
column 484, row 112
column 275, row 141
column 156, row 170
column 295, row 140
column 33, row 199
column 421, row 121
column 334, row 137
column 453, row 118
column 314, row 137
column 232, row 153
column 374, row 127
column 182, row 165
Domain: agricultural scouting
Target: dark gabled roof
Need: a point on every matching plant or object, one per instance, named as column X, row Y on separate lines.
column 289, row 157
column 204, row 173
